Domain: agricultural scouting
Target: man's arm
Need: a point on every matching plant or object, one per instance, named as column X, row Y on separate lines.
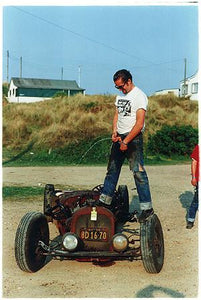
column 193, row 172
column 114, row 133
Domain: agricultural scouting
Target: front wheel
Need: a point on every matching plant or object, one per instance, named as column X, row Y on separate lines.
column 32, row 228
column 152, row 244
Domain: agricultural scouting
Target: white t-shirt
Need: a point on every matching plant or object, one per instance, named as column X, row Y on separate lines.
column 127, row 106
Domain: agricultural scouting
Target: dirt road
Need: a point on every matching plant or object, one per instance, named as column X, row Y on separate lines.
column 171, row 193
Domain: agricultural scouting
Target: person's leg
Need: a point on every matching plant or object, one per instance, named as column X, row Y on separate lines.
column 142, row 185
column 135, row 156
column 192, row 210
column 113, row 171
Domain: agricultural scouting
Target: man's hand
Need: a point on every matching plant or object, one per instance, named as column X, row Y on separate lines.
column 115, row 138
column 123, row 146
column 193, row 172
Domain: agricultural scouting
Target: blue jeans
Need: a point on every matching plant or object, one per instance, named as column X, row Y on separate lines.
column 134, row 154
column 194, row 206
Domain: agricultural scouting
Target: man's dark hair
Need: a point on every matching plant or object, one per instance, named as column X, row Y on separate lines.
column 123, row 74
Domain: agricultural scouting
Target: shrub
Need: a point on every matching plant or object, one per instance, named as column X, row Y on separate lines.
column 173, row 140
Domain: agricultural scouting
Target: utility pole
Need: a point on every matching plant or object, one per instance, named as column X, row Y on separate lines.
column 21, row 67
column 62, row 73
column 185, row 88
column 7, row 66
column 79, row 76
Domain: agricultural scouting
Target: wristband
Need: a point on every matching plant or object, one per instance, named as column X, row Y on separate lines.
column 124, row 143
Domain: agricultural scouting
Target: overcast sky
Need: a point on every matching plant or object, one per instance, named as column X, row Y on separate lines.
column 91, row 43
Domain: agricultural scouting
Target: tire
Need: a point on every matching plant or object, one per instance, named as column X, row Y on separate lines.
column 152, row 244
column 123, row 200
column 32, row 228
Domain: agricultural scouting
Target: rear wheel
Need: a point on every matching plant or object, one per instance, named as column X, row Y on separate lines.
column 123, row 202
column 32, row 228
column 49, row 192
column 152, row 244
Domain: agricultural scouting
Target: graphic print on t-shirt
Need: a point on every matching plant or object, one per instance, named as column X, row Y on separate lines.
column 124, row 107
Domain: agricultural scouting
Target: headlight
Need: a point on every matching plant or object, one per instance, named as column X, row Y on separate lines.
column 70, row 241
column 119, row 242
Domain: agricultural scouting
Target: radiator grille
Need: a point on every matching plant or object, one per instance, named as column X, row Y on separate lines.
column 97, row 234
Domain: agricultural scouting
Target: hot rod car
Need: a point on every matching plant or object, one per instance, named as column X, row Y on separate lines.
column 88, row 232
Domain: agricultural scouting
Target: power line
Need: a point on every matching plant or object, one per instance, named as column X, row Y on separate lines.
column 87, row 68
column 21, row 67
column 82, row 36
column 13, row 57
column 7, row 67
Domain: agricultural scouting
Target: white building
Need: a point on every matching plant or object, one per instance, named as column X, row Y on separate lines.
column 167, row 91
column 190, row 89
column 32, row 89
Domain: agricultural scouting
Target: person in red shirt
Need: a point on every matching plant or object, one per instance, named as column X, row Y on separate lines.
column 195, row 182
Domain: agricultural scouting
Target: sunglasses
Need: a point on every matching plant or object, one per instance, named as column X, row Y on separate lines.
column 120, row 87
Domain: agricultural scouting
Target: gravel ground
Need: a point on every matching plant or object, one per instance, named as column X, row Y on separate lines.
column 171, row 194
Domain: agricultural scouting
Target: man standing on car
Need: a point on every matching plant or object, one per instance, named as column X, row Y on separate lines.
column 127, row 138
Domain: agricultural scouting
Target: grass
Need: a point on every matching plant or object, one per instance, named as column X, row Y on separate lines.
column 89, row 157
column 94, row 151
column 163, row 160
column 23, row 193
column 62, row 121
column 29, row 192
column 63, row 130
column 57, row 122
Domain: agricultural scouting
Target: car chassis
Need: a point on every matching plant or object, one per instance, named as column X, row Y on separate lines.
column 87, row 231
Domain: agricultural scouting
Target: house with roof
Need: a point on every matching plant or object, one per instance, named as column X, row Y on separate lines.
column 189, row 88
column 173, row 91
column 26, row 90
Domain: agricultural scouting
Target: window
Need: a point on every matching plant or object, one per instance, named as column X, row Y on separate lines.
column 194, row 88
column 184, row 89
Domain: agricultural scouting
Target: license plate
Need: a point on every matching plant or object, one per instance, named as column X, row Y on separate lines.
column 94, row 234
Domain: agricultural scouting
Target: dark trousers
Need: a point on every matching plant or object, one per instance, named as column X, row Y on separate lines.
column 134, row 154
column 194, row 206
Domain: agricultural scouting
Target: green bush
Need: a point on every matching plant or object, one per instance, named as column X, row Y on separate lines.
column 173, row 140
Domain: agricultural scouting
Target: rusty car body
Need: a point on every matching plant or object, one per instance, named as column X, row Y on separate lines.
column 88, row 232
